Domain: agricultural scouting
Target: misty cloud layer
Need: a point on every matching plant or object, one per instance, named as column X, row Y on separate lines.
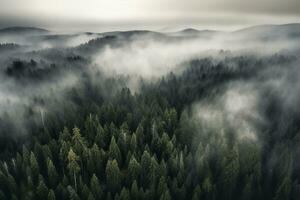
column 40, row 68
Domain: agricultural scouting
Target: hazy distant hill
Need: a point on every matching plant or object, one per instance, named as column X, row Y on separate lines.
column 285, row 29
column 38, row 38
column 269, row 32
column 190, row 32
column 22, row 30
column 261, row 32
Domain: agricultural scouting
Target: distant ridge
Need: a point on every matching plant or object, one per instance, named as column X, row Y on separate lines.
column 269, row 27
column 263, row 27
column 189, row 30
column 196, row 31
column 20, row 29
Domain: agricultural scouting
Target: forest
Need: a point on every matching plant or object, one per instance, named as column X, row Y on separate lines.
column 220, row 124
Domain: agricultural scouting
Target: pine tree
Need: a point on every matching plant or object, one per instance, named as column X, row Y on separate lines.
column 197, row 193
column 4, row 184
column 42, row 190
column 65, row 135
column 166, row 195
column 90, row 129
column 162, row 168
column 85, row 192
column 185, row 133
column 170, row 120
column 134, row 191
column 114, row 151
column 162, row 186
column 113, row 176
column 207, row 187
column 78, row 142
column 91, row 197
column 11, row 183
column 52, row 174
column 124, row 195
column 154, row 171
column 146, row 169
column 284, row 188
column 122, row 143
column 140, row 135
column 108, row 196
column 51, row 195
column 97, row 159
column 100, row 138
column 230, row 173
column 133, row 143
column 25, row 155
column 134, row 170
column 34, row 167
column 63, row 152
column 72, row 193
column 96, row 188
column 73, row 166
column 246, row 193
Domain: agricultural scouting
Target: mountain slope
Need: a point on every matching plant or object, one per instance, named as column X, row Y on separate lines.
column 270, row 31
column 22, row 30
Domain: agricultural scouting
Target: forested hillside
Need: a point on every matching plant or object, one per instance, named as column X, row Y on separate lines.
column 224, row 126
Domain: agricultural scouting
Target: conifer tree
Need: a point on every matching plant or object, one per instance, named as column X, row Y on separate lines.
column 42, row 190
column 34, row 166
column 114, row 151
column 51, row 195
column 96, row 188
column 134, row 191
column 52, row 173
column 73, row 166
column 134, row 170
column 113, row 176
column 146, row 169
column 124, row 195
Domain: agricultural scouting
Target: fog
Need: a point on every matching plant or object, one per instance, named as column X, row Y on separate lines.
column 148, row 57
column 236, row 110
column 251, row 109
column 50, row 64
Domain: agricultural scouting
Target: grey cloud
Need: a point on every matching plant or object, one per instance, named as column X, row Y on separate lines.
column 134, row 14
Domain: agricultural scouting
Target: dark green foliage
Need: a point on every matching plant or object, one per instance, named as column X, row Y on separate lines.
column 52, row 174
column 134, row 170
column 96, row 188
column 134, row 191
column 51, row 195
column 113, row 175
column 42, row 190
column 147, row 145
column 114, row 151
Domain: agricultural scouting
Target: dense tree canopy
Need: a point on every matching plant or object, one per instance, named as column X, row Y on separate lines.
column 111, row 143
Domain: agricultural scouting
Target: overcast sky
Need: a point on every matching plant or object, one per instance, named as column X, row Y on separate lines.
column 105, row 15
